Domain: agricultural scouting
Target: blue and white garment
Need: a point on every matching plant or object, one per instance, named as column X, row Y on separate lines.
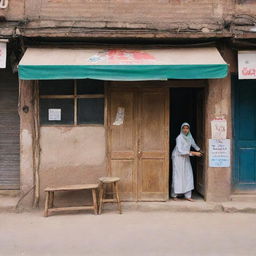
column 182, row 174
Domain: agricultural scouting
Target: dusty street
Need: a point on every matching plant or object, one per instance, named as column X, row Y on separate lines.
column 132, row 233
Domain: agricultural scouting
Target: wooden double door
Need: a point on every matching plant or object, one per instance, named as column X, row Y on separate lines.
column 138, row 146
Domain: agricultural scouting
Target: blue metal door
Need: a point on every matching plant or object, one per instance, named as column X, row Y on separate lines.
column 244, row 134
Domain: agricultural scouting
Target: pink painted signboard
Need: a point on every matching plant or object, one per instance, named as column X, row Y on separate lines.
column 247, row 64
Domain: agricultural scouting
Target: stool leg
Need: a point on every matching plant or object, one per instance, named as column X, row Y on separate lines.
column 46, row 206
column 114, row 192
column 101, row 198
column 94, row 198
column 51, row 199
column 117, row 197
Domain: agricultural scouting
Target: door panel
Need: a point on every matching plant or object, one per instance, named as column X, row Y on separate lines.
column 122, row 142
column 151, row 178
column 152, row 126
column 247, row 162
column 246, row 108
column 125, row 170
column 153, row 144
column 123, row 135
column 245, row 134
column 200, row 114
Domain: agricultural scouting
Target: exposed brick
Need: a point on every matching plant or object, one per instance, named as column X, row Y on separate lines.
column 176, row 15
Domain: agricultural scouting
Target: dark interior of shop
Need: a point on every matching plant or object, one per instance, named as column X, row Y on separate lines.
column 185, row 106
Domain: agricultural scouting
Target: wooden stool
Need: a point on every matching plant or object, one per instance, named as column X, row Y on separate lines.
column 49, row 205
column 112, row 181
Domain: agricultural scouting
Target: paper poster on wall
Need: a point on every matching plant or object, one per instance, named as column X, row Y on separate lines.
column 119, row 116
column 219, row 153
column 2, row 55
column 54, row 114
column 219, row 128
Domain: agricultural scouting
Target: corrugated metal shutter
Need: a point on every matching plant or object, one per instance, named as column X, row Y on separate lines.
column 9, row 132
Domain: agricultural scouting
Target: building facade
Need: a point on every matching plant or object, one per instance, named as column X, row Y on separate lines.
column 69, row 128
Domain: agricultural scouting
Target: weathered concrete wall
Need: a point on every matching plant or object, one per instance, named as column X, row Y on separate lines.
column 71, row 155
column 131, row 18
column 26, row 143
column 246, row 6
column 142, row 13
column 131, row 11
column 244, row 18
column 218, row 180
column 79, row 17
column 14, row 11
column 218, row 104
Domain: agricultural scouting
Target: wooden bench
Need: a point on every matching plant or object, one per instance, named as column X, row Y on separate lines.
column 49, row 204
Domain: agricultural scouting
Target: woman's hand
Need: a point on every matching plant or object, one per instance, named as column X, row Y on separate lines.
column 198, row 154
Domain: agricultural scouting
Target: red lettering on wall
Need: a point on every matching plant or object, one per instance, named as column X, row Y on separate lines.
column 249, row 71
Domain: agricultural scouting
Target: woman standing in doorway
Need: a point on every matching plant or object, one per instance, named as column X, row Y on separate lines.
column 182, row 174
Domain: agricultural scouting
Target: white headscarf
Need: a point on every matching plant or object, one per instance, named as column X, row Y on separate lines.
column 188, row 138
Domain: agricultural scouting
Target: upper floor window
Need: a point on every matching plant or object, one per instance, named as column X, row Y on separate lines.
column 71, row 102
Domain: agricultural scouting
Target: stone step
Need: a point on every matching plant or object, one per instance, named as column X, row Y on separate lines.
column 185, row 206
column 243, row 198
column 9, row 200
column 170, row 206
column 239, row 207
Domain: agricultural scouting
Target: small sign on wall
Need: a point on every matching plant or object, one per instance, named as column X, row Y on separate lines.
column 2, row 55
column 54, row 114
column 219, row 128
column 219, row 153
column 247, row 64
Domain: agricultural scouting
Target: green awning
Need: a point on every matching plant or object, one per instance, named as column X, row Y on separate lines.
column 122, row 64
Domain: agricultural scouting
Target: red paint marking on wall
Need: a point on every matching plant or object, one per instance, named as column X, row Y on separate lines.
column 117, row 56
column 249, row 71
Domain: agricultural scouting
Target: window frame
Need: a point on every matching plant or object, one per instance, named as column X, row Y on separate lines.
column 75, row 97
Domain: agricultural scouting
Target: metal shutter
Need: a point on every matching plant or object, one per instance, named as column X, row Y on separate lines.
column 9, row 132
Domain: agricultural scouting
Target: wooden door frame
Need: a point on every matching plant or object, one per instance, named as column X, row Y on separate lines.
column 202, row 86
column 235, row 167
column 151, row 85
column 204, row 145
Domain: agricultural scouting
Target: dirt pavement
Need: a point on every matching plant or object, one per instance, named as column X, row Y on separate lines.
column 132, row 233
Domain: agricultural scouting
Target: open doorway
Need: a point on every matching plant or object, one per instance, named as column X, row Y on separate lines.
column 187, row 105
